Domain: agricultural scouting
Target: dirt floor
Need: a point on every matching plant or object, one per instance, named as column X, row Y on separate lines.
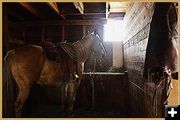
column 52, row 111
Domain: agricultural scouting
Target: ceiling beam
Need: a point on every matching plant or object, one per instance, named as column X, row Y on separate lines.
column 94, row 7
column 79, row 6
column 118, row 15
column 31, row 9
column 54, row 6
column 107, row 9
column 64, row 22
column 84, row 14
column 17, row 26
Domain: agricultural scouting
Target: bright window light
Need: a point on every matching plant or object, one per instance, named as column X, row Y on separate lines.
column 113, row 30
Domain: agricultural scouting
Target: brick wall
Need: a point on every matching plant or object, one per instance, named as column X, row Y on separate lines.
column 137, row 20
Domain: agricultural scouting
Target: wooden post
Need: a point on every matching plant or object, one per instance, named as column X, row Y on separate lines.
column 84, row 30
column 31, row 9
column 5, row 30
column 63, row 34
column 63, row 22
column 43, row 33
column 54, row 7
column 24, row 35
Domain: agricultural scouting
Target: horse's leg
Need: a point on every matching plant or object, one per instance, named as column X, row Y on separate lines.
column 63, row 94
column 71, row 94
column 24, row 83
column 22, row 97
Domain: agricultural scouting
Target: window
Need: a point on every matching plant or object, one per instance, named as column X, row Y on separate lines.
column 113, row 30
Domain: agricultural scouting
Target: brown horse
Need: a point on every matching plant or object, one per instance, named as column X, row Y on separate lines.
column 29, row 65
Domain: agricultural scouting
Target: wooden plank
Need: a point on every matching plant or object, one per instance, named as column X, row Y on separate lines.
column 15, row 35
column 79, row 6
column 92, row 13
column 5, row 30
column 24, row 35
column 107, row 10
column 84, row 30
column 119, row 15
column 43, row 33
column 31, row 9
column 54, row 6
column 16, row 26
column 15, row 40
column 63, row 34
column 64, row 22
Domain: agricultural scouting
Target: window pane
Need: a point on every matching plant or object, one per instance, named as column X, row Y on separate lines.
column 113, row 30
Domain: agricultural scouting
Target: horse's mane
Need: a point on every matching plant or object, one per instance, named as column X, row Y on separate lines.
column 79, row 51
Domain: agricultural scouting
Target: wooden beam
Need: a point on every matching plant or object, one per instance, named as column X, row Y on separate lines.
column 107, row 9
column 84, row 13
column 15, row 40
column 64, row 22
column 24, row 35
column 43, row 34
column 15, row 25
column 31, row 9
column 119, row 15
column 5, row 30
column 79, row 6
column 84, row 30
column 15, row 35
column 54, row 6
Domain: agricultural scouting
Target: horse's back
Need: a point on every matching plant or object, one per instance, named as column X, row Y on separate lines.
column 27, row 63
column 28, row 50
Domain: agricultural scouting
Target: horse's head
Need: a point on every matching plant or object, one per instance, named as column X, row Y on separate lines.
column 98, row 48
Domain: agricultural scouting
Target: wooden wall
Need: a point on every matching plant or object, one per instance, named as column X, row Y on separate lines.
column 35, row 34
column 70, row 34
column 110, row 98
column 13, row 34
column 137, row 20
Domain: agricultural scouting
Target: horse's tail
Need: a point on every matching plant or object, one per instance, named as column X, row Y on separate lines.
column 8, row 87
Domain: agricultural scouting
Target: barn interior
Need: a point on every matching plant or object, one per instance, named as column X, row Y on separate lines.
column 113, row 87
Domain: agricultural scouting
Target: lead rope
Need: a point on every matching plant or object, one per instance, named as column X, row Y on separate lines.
column 92, row 84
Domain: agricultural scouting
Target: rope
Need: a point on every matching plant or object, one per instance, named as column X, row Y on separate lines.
column 92, row 84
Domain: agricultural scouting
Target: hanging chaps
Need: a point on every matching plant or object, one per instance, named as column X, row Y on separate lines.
column 161, row 55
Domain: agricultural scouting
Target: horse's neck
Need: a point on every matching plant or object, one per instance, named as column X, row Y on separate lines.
column 83, row 48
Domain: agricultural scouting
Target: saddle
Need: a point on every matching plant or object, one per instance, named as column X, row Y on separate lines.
column 56, row 52
column 51, row 51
